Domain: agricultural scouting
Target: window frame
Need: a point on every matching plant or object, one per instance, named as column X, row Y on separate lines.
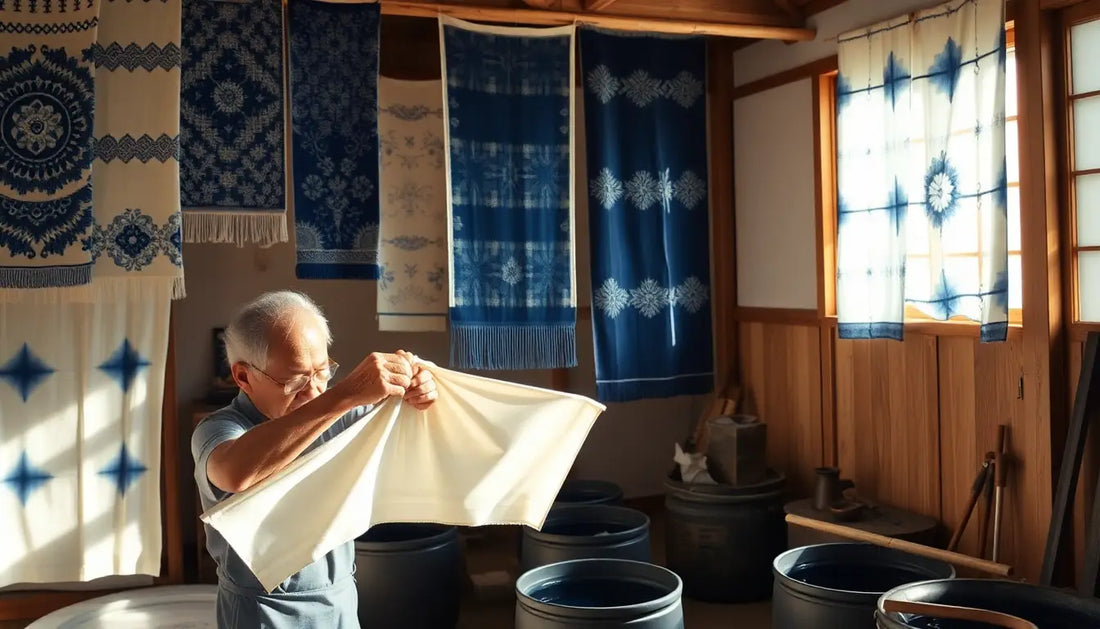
column 1071, row 16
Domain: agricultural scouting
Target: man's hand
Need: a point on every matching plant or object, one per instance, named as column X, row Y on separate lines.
column 378, row 377
column 421, row 393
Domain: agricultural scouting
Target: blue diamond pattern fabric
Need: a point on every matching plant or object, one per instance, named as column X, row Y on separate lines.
column 123, row 470
column 25, row 478
column 24, row 372
column 921, row 171
column 124, row 365
column 81, row 390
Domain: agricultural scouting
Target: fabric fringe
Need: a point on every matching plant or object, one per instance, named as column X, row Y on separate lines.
column 513, row 346
column 23, row 278
column 240, row 228
column 130, row 289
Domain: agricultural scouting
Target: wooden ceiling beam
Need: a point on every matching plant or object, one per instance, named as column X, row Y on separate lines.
column 790, row 9
column 475, row 13
column 597, row 5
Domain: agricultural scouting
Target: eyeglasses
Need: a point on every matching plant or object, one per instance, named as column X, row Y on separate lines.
column 300, row 381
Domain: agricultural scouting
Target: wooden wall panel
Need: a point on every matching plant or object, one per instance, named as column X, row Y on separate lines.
column 979, row 390
column 781, row 383
column 887, row 420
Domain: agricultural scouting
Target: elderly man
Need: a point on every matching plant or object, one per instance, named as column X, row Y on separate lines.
column 277, row 347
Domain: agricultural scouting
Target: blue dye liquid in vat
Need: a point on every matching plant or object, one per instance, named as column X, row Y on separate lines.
column 594, row 592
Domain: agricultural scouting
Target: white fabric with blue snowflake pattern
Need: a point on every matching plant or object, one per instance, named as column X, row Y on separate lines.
column 81, row 386
column 412, row 242
column 921, row 170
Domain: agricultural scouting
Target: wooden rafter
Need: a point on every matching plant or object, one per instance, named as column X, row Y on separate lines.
column 625, row 22
column 790, row 9
column 597, row 5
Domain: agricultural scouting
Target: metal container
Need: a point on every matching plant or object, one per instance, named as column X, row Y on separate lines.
column 1047, row 607
column 586, row 532
column 409, row 576
column 601, row 593
column 837, row 586
column 721, row 540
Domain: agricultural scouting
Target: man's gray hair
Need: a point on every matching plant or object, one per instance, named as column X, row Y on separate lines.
column 246, row 338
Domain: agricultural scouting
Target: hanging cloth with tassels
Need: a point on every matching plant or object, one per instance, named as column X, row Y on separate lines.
column 233, row 121
column 509, row 108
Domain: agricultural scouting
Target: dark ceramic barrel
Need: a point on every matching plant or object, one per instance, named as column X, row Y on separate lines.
column 1049, row 608
column 587, row 532
column 409, row 576
column 837, row 586
column 721, row 540
column 589, row 492
column 600, row 593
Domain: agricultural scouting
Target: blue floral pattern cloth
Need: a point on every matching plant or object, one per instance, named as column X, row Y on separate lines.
column 334, row 107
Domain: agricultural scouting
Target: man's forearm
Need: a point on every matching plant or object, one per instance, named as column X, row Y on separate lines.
column 272, row 445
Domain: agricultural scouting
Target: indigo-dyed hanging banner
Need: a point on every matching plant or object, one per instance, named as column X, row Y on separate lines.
column 334, row 108
column 509, row 108
column 646, row 138
column 232, row 122
column 921, row 174
column 47, row 105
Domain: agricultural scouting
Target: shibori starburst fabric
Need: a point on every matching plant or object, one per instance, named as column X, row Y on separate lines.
column 81, row 386
column 412, row 249
column 921, row 171
column 509, row 107
column 648, row 213
column 48, row 94
column 233, row 122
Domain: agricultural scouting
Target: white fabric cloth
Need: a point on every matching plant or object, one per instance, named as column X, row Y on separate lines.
column 487, row 452
column 412, row 242
column 922, row 178
column 81, row 388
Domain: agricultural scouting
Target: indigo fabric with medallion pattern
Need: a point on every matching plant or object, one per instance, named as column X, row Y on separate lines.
column 334, row 108
column 233, row 122
column 47, row 104
column 648, row 214
column 509, row 104
column 922, row 180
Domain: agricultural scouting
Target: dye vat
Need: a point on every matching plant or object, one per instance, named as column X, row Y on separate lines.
column 1049, row 608
column 586, row 532
column 409, row 576
column 589, row 492
column 599, row 592
column 722, row 539
column 837, row 586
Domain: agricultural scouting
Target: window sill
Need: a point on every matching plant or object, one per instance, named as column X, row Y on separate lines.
column 949, row 328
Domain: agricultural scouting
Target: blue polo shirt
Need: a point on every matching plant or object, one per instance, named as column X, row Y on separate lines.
column 319, row 594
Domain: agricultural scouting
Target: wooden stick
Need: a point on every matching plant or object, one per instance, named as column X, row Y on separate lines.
column 626, row 22
column 957, row 559
column 955, row 612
